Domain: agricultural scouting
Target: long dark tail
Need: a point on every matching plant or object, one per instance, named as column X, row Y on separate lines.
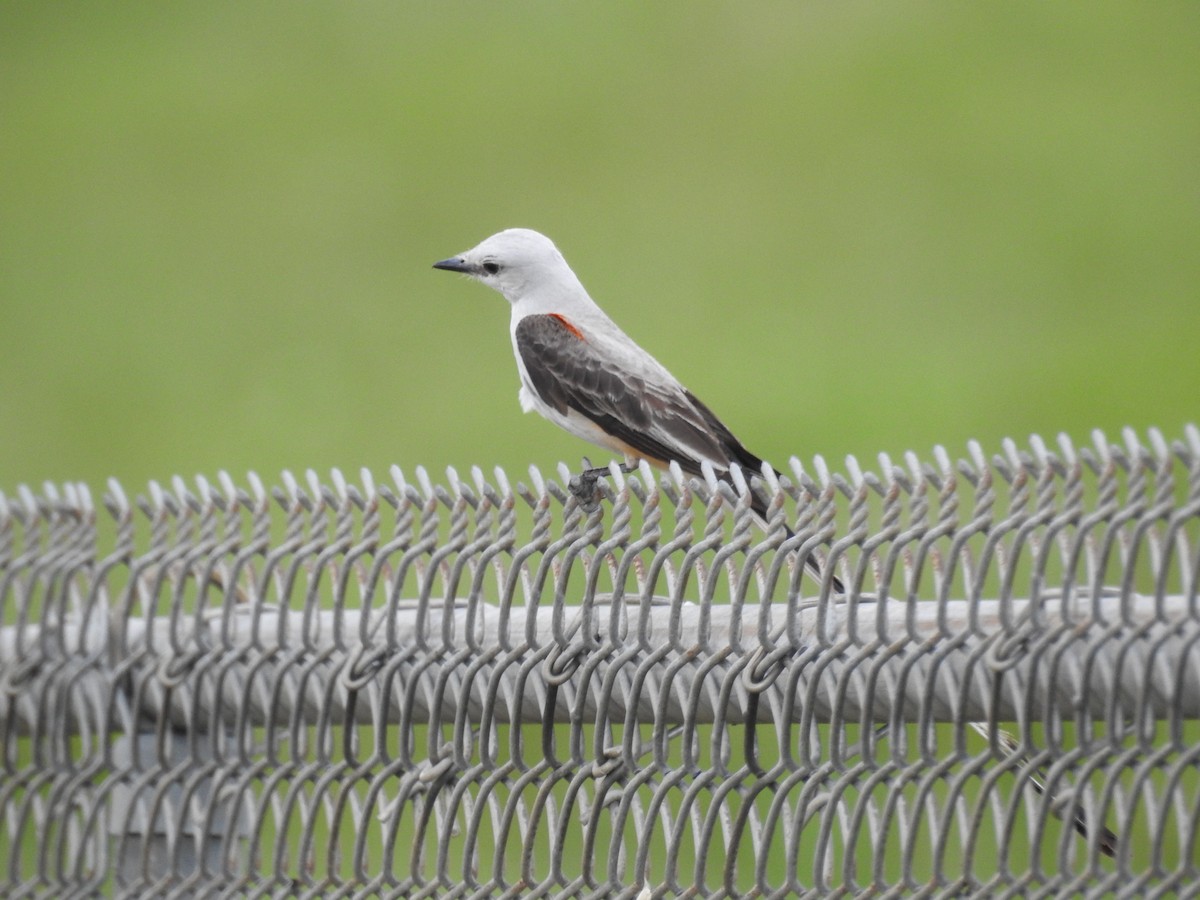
column 759, row 506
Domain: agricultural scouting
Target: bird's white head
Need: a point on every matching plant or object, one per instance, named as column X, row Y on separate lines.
column 516, row 262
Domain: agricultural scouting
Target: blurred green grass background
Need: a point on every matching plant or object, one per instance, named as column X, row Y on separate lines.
column 847, row 227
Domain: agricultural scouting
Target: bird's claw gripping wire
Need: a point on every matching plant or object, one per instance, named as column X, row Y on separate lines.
column 584, row 487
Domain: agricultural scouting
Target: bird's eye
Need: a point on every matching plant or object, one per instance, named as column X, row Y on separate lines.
column 491, row 267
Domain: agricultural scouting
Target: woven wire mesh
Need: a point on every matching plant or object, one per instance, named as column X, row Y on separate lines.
column 482, row 689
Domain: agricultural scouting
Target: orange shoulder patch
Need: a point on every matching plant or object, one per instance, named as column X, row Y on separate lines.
column 566, row 323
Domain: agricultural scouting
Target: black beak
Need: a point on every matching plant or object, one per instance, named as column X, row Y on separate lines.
column 453, row 264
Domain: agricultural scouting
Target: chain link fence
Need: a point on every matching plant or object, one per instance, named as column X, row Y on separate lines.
column 476, row 688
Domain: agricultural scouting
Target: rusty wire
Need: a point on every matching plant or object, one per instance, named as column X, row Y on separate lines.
column 477, row 688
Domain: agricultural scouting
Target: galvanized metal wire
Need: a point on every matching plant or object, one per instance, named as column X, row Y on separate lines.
column 475, row 688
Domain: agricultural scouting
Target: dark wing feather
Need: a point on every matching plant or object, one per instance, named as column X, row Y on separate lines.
column 735, row 452
column 663, row 422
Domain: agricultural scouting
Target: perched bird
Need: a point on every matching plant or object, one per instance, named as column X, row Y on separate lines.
column 584, row 374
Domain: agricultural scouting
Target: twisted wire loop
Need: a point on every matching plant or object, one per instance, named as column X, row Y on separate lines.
column 475, row 688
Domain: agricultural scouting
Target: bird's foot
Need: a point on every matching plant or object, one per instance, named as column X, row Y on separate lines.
column 584, row 487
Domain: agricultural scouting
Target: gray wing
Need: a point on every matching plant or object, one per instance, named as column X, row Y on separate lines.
column 660, row 420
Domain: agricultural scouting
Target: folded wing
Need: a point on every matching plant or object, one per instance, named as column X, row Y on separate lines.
column 660, row 419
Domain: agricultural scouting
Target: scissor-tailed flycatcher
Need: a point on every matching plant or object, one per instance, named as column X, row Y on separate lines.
column 584, row 374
